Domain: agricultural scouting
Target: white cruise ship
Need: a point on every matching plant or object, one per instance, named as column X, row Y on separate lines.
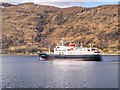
column 71, row 51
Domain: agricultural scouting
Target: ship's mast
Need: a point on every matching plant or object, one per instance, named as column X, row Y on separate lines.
column 91, row 45
column 49, row 49
column 81, row 45
column 62, row 42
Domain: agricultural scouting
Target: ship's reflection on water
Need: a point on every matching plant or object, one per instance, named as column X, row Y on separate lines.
column 29, row 72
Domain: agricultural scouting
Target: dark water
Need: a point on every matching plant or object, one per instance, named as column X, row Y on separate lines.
column 28, row 72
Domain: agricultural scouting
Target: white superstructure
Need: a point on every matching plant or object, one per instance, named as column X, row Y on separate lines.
column 72, row 49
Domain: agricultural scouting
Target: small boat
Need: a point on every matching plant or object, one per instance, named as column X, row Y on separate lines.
column 71, row 51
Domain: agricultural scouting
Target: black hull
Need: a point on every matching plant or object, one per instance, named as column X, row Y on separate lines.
column 79, row 57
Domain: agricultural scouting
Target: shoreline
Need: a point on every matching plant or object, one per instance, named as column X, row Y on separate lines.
column 37, row 54
column 18, row 54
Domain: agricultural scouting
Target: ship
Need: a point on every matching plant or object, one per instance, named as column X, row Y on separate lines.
column 72, row 51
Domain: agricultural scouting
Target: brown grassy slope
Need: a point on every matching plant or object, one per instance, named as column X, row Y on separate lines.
column 30, row 26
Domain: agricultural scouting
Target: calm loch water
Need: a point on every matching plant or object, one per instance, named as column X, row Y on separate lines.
column 28, row 72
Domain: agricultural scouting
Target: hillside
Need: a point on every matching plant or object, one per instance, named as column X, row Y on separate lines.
column 29, row 27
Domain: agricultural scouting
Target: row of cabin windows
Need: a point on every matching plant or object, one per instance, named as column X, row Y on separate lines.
column 70, row 50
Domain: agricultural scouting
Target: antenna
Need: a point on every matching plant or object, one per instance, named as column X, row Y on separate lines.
column 90, row 45
column 81, row 45
column 49, row 49
column 62, row 42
